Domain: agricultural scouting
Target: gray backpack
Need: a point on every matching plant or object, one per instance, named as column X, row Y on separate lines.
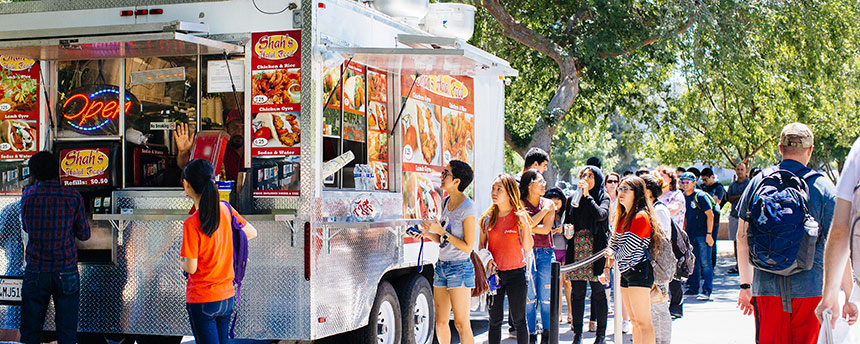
column 663, row 261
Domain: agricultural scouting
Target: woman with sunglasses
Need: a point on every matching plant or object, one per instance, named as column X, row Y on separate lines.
column 454, row 275
column 659, row 293
column 611, row 187
column 590, row 220
column 505, row 237
column 635, row 227
column 542, row 211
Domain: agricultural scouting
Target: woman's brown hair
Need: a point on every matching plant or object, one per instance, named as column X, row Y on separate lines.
column 512, row 189
column 673, row 176
column 640, row 204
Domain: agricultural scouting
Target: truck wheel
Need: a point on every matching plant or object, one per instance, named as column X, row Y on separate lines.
column 418, row 312
column 384, row 326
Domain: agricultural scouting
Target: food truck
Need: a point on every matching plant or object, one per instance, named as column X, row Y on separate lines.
column 335, row 118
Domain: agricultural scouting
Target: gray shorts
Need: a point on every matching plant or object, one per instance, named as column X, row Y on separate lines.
column 733, row 228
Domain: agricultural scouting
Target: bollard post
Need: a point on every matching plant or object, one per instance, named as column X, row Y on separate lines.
column 554, row 302
column 616, row 297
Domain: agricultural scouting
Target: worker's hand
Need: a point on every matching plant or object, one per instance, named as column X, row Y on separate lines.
column 183, row 137
column 709, row 240
column 745, row 301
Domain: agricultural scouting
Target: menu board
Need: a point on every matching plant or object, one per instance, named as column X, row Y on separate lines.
column 19, row 107
column 276, row 99
column 354, row 102
column 377, row 125
column 437, row 127
column 331, row 114
column 85, row 167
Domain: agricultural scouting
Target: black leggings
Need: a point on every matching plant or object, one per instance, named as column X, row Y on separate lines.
column 512, row 283
column 599, row 307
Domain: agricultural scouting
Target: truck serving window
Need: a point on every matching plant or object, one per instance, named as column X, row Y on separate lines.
column 356, row 119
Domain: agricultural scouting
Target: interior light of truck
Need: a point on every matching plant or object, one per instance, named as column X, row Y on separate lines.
column 88, row 108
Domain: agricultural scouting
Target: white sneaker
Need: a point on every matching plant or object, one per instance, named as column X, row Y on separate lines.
column 703, row 297
column 626, row 326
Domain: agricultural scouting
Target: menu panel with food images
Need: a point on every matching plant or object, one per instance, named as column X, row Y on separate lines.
column 276, row 106
column 354, row 102
column 437, row 127
column 19, row 107
column 331, row 114
column 377, row 125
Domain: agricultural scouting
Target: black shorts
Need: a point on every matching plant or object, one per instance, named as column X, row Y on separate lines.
column 640, row 275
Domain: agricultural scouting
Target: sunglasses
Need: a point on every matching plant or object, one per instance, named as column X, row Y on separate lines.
column 611, row 182
column 541, row 182
column 625, row 189
column 685, row 182
column 445, row 173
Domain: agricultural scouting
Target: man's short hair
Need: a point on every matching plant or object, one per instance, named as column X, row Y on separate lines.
column 707, row 172
column 535, row 155
column 642, row 171
column 628, row 173
column 43, row 166
column 695, row 172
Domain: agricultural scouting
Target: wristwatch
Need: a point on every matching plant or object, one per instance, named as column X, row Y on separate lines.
column 444, row 237
column 746, row 286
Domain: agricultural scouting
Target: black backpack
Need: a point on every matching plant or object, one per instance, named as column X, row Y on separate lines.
column 683, row 252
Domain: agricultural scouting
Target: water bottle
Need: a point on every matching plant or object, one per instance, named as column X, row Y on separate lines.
column 371, row 178
column 356, row 175
column 811, row 226
column 574, row 199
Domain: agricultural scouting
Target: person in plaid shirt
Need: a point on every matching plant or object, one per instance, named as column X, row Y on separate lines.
column 52, row 216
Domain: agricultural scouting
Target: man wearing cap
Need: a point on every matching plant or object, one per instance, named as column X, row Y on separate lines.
column 760, row 291
column 232, row 163
column 699, row 224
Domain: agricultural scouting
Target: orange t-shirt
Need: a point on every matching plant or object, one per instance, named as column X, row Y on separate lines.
column 213, row 280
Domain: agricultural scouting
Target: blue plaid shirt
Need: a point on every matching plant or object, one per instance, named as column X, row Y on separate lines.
column 53, row 216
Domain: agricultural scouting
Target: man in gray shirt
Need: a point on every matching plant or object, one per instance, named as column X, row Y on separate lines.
column 733, row 196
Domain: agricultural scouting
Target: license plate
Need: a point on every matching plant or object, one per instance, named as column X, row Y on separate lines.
column 10, row 290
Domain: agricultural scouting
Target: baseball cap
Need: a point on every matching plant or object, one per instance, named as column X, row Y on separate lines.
column 688, row 175
column 796, row 135
column 233, row 115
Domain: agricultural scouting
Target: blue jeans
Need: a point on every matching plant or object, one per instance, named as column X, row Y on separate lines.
column 538, row 288
column 704, row 268
column 36, row 292
column 210, row 321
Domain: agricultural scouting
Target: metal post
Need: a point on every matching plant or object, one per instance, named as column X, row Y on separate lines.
column 554, row 302
column 619, row 310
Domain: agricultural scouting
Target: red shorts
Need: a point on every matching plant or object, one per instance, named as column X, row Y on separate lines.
column 774, row 326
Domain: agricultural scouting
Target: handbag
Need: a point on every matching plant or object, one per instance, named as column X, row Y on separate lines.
column 481, row 282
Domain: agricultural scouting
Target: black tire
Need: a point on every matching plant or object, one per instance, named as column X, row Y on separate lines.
column 412, row 314
column 370, row 334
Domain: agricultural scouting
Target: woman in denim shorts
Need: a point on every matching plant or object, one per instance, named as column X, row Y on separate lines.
column 454, row 276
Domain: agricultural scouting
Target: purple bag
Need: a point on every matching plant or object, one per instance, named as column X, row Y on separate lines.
column 240, row 259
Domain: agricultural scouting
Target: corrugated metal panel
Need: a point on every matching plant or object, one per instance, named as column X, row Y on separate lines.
column 67, row 5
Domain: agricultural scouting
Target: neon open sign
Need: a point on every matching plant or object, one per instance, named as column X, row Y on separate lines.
column 95, row 109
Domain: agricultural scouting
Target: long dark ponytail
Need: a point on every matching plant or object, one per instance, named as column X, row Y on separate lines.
column 200, row 174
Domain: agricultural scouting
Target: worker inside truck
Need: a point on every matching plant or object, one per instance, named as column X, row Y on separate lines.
column 233, row 156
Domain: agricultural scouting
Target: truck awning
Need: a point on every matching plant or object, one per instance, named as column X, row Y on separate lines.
column 430, row 55
column 106, row 42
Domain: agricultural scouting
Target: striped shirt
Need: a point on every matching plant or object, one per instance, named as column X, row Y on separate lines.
column 631, row 245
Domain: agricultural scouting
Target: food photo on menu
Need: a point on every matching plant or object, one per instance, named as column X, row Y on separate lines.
column 17, row 93
column 422, row 128
column 18, row 135
column 276, row 129
column 377, row 116
column 421, row 196
column 353, row 91
column 279, row 86
column 380, row 170
column 457, row 135
column 377, row 86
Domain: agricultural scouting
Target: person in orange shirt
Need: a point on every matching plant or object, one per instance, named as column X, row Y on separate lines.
column 207, row 255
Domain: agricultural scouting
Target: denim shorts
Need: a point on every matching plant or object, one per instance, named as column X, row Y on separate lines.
column 640, row 275
column 454, row 274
